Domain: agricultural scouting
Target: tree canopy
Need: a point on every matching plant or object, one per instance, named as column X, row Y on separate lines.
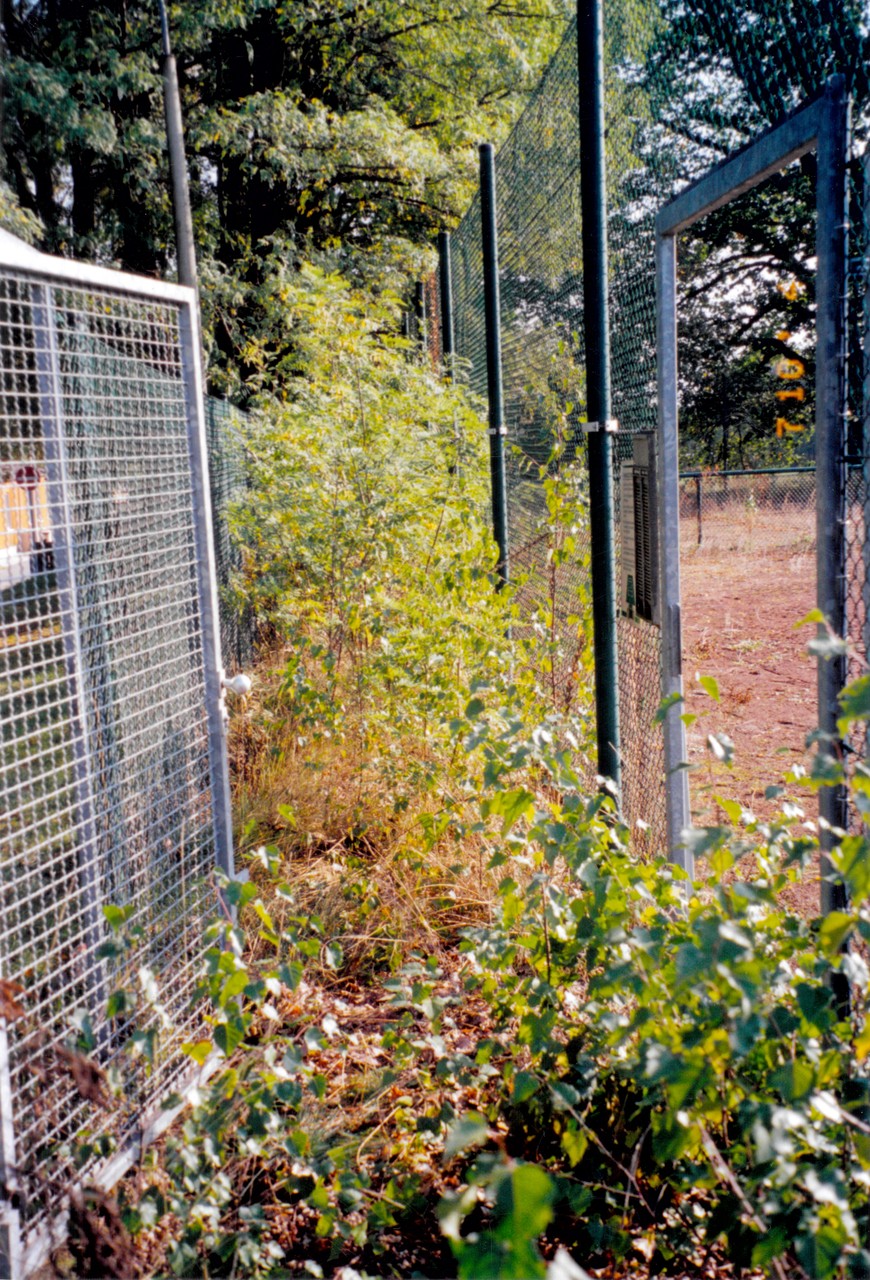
column 341, row 133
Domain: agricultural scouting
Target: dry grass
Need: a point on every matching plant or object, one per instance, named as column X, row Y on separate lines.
column 353, row 854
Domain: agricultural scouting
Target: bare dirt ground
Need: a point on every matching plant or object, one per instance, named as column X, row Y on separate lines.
column 744, row 588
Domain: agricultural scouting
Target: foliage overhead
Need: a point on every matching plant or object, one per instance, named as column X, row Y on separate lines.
column 341, row 132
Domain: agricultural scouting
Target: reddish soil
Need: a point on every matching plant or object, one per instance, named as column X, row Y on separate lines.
column 743, row 590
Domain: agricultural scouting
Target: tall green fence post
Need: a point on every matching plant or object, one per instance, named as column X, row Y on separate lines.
column 497, row 429
column 184, row 243
column 593, row 195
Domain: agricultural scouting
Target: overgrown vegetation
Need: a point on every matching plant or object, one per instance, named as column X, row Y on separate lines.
column 459, row 1027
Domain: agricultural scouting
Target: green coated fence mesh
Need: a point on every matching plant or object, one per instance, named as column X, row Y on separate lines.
column 687, row 82
column 228, row 480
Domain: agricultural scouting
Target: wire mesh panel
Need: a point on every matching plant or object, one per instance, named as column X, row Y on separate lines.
column 687, row 83
column 107, row 782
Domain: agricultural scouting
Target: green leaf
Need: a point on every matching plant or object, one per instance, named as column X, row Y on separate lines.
column 199, row 1050
column 732, row 808
column 771, row 1245
column 819, row 1251
column 234, row 986
column 852, row 860
column 470, row 1130
column 510, row 806
column 794, row 1080
column 524, row 1086
column 574, row 1143
column 525, row 1202
column 710, row 686
column 855, row 703
column 834, row 931
column 671, row 700
column 228, row 1036
column 117, row 916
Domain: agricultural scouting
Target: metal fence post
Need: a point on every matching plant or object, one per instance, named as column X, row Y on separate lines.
column 593, row 194
column 185, row 249
column 830, row 448
column 700, row 517
column 206, row 577
column 497, row 428
column 676, row 777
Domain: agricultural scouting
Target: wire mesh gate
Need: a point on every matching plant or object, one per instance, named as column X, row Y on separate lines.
column 688, row 82
column 113, row 779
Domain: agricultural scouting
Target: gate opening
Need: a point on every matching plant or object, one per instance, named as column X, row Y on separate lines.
column 819, row 127
column 747, row 494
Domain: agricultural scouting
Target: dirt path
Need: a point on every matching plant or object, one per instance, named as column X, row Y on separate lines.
column 743, row 591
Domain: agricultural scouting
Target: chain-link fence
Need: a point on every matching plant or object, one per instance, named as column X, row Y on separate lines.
column 749, row 514
column 113, row 788
column 228, row 477
column 687, row 82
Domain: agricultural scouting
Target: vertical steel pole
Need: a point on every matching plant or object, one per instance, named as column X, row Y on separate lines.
column 676, row 777
column 830, row 447
column 593, row 193
column 497, row 428
column 445, row 281
column 184, row 244
column 700, row 517
column 206, row 576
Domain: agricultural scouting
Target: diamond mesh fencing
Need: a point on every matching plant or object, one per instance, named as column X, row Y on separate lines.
column 107, row 792
column 538, row 213
column 687, row 82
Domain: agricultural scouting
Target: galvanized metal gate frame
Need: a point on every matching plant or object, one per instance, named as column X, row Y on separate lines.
column 47, row 272
column 821, row 126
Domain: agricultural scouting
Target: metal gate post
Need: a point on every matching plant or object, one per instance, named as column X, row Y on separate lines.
column 676, row 775
column 830, row 445
column 593, row 195
column 497, row 428
column 206, row 579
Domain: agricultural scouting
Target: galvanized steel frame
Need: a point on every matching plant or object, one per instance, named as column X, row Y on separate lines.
column 45, row 273
column 823, row 126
